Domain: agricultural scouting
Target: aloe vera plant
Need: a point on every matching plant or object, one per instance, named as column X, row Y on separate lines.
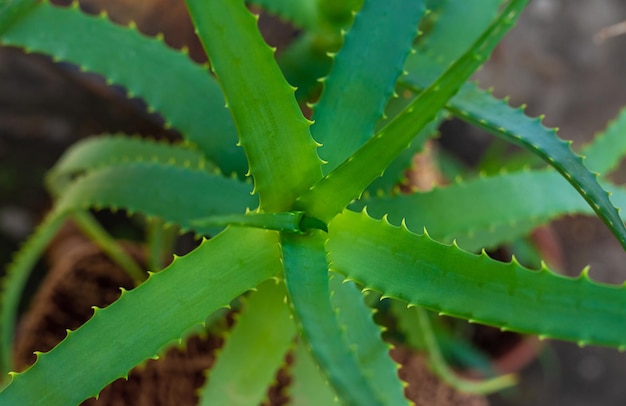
column 323, row 220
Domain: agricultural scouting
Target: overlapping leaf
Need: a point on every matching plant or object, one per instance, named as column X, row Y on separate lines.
column 272, row 130
column 254, row 351
column 481, row 109
column 309, row 387
column 350, row 179
column 416, row 269
column 363, row 77
column 187, row 96
column 98, row 152
column 485, row 212
column 178, row 195
column 158, row 313
column 306, row 278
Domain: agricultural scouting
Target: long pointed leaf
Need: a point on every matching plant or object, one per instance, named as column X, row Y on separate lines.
column 272, row 130
column 98, row 152
column 158, row 313
column 421, row 271
column 486, row 212
column 306, row 277
column 365, row 337
column 176, row 194
column 308, row 386
column 363, row 77
column 254, row 351
column 12, row 10
column 483, row 110
column 349, row 180
column 135, row 187
column 183, row 92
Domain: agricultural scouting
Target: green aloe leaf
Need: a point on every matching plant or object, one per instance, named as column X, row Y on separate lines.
column 349, row 180
column 187, row 96
column 481, row 109
column 12, row 10
column 309, row 387
column 365, row 339
column 272, row 130
column 178, row 195
column 98, row 152
column 158, row 313
column 486, row 212
column 363, row 77
column 254, row 351
column 306, row 278
column 417, row 269
column 289, row 222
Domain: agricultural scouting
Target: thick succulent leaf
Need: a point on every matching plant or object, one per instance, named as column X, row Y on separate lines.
column 290, row 222
column 483, row 110
column 418, row 270
column 607, row 149
column 143, row 321
column 363, row 77
column 349, row 180
column 306, row 278
column 272, row 130
column 308, row 386
column 15, row 279
column 142, row 187
column 480, row 108
column 485, row 212
column 254, row 351
column 97, row 152
column 187, row 96
column 365, row 338
column 176, row 194
column 12, row 10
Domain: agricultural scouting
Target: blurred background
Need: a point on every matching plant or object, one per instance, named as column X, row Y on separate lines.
column 550, row 62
